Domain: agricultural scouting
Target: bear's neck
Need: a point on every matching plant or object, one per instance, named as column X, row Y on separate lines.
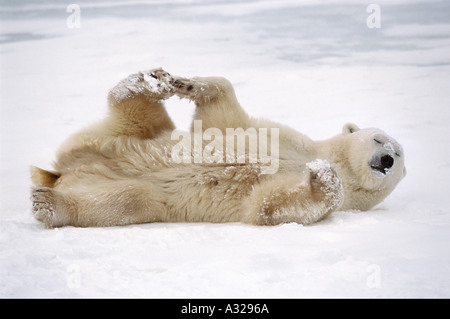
column 332, row 150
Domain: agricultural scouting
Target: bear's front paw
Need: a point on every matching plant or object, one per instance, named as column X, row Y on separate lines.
column 157, row 81
column 156, row 84
column 326, row 186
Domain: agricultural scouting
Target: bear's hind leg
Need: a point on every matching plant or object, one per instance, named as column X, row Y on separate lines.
column 98, row 204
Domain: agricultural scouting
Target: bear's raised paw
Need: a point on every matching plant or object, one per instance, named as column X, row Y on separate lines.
column 156, row 84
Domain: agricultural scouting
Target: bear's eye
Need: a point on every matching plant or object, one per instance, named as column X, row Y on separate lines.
column 378, row 141
column 397, row 154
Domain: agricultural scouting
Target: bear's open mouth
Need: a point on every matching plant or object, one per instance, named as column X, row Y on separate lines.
column 380, row 169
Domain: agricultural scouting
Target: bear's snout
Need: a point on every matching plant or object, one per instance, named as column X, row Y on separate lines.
column 387, row 161
column 382, row 164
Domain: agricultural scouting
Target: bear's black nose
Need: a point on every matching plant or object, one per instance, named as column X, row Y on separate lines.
column 387, row 161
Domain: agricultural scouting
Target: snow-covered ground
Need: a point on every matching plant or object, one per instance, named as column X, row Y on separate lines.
column 309, row 64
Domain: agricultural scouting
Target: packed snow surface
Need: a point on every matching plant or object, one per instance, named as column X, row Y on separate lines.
column 312, row 65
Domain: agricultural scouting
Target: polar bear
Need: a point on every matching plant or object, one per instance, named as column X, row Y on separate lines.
column 122, row 171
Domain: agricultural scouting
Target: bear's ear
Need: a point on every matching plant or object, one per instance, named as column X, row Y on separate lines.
column 350, row 128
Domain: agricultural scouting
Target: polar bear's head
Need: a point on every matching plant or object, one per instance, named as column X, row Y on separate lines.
column 374, row 166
